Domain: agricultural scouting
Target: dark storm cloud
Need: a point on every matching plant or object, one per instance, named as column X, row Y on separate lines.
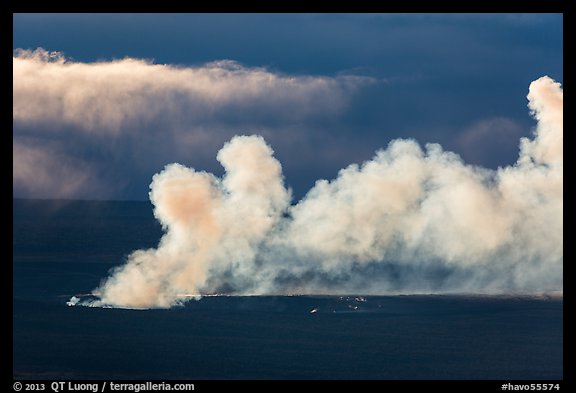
column 391, row 44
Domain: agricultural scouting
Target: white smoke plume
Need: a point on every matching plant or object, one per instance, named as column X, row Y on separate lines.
column 411, row 220
column 210, row 224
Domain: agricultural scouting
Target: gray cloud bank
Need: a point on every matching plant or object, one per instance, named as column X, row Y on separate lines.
column 410, row 220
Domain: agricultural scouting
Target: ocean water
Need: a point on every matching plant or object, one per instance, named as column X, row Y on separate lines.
column 65, row 248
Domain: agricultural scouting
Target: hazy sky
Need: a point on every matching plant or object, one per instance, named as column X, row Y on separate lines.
column 110, row 99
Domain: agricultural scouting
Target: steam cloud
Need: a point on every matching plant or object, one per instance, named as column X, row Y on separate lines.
column 410, row 220
column 132, row 107
column 107, row 96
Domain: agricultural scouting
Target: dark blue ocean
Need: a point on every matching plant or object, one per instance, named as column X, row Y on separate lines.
column 65, row 248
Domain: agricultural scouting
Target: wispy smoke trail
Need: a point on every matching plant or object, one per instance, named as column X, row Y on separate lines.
column 410, row 220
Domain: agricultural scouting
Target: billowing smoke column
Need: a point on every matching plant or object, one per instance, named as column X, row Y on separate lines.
column 407, row 221
column 211, row 225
